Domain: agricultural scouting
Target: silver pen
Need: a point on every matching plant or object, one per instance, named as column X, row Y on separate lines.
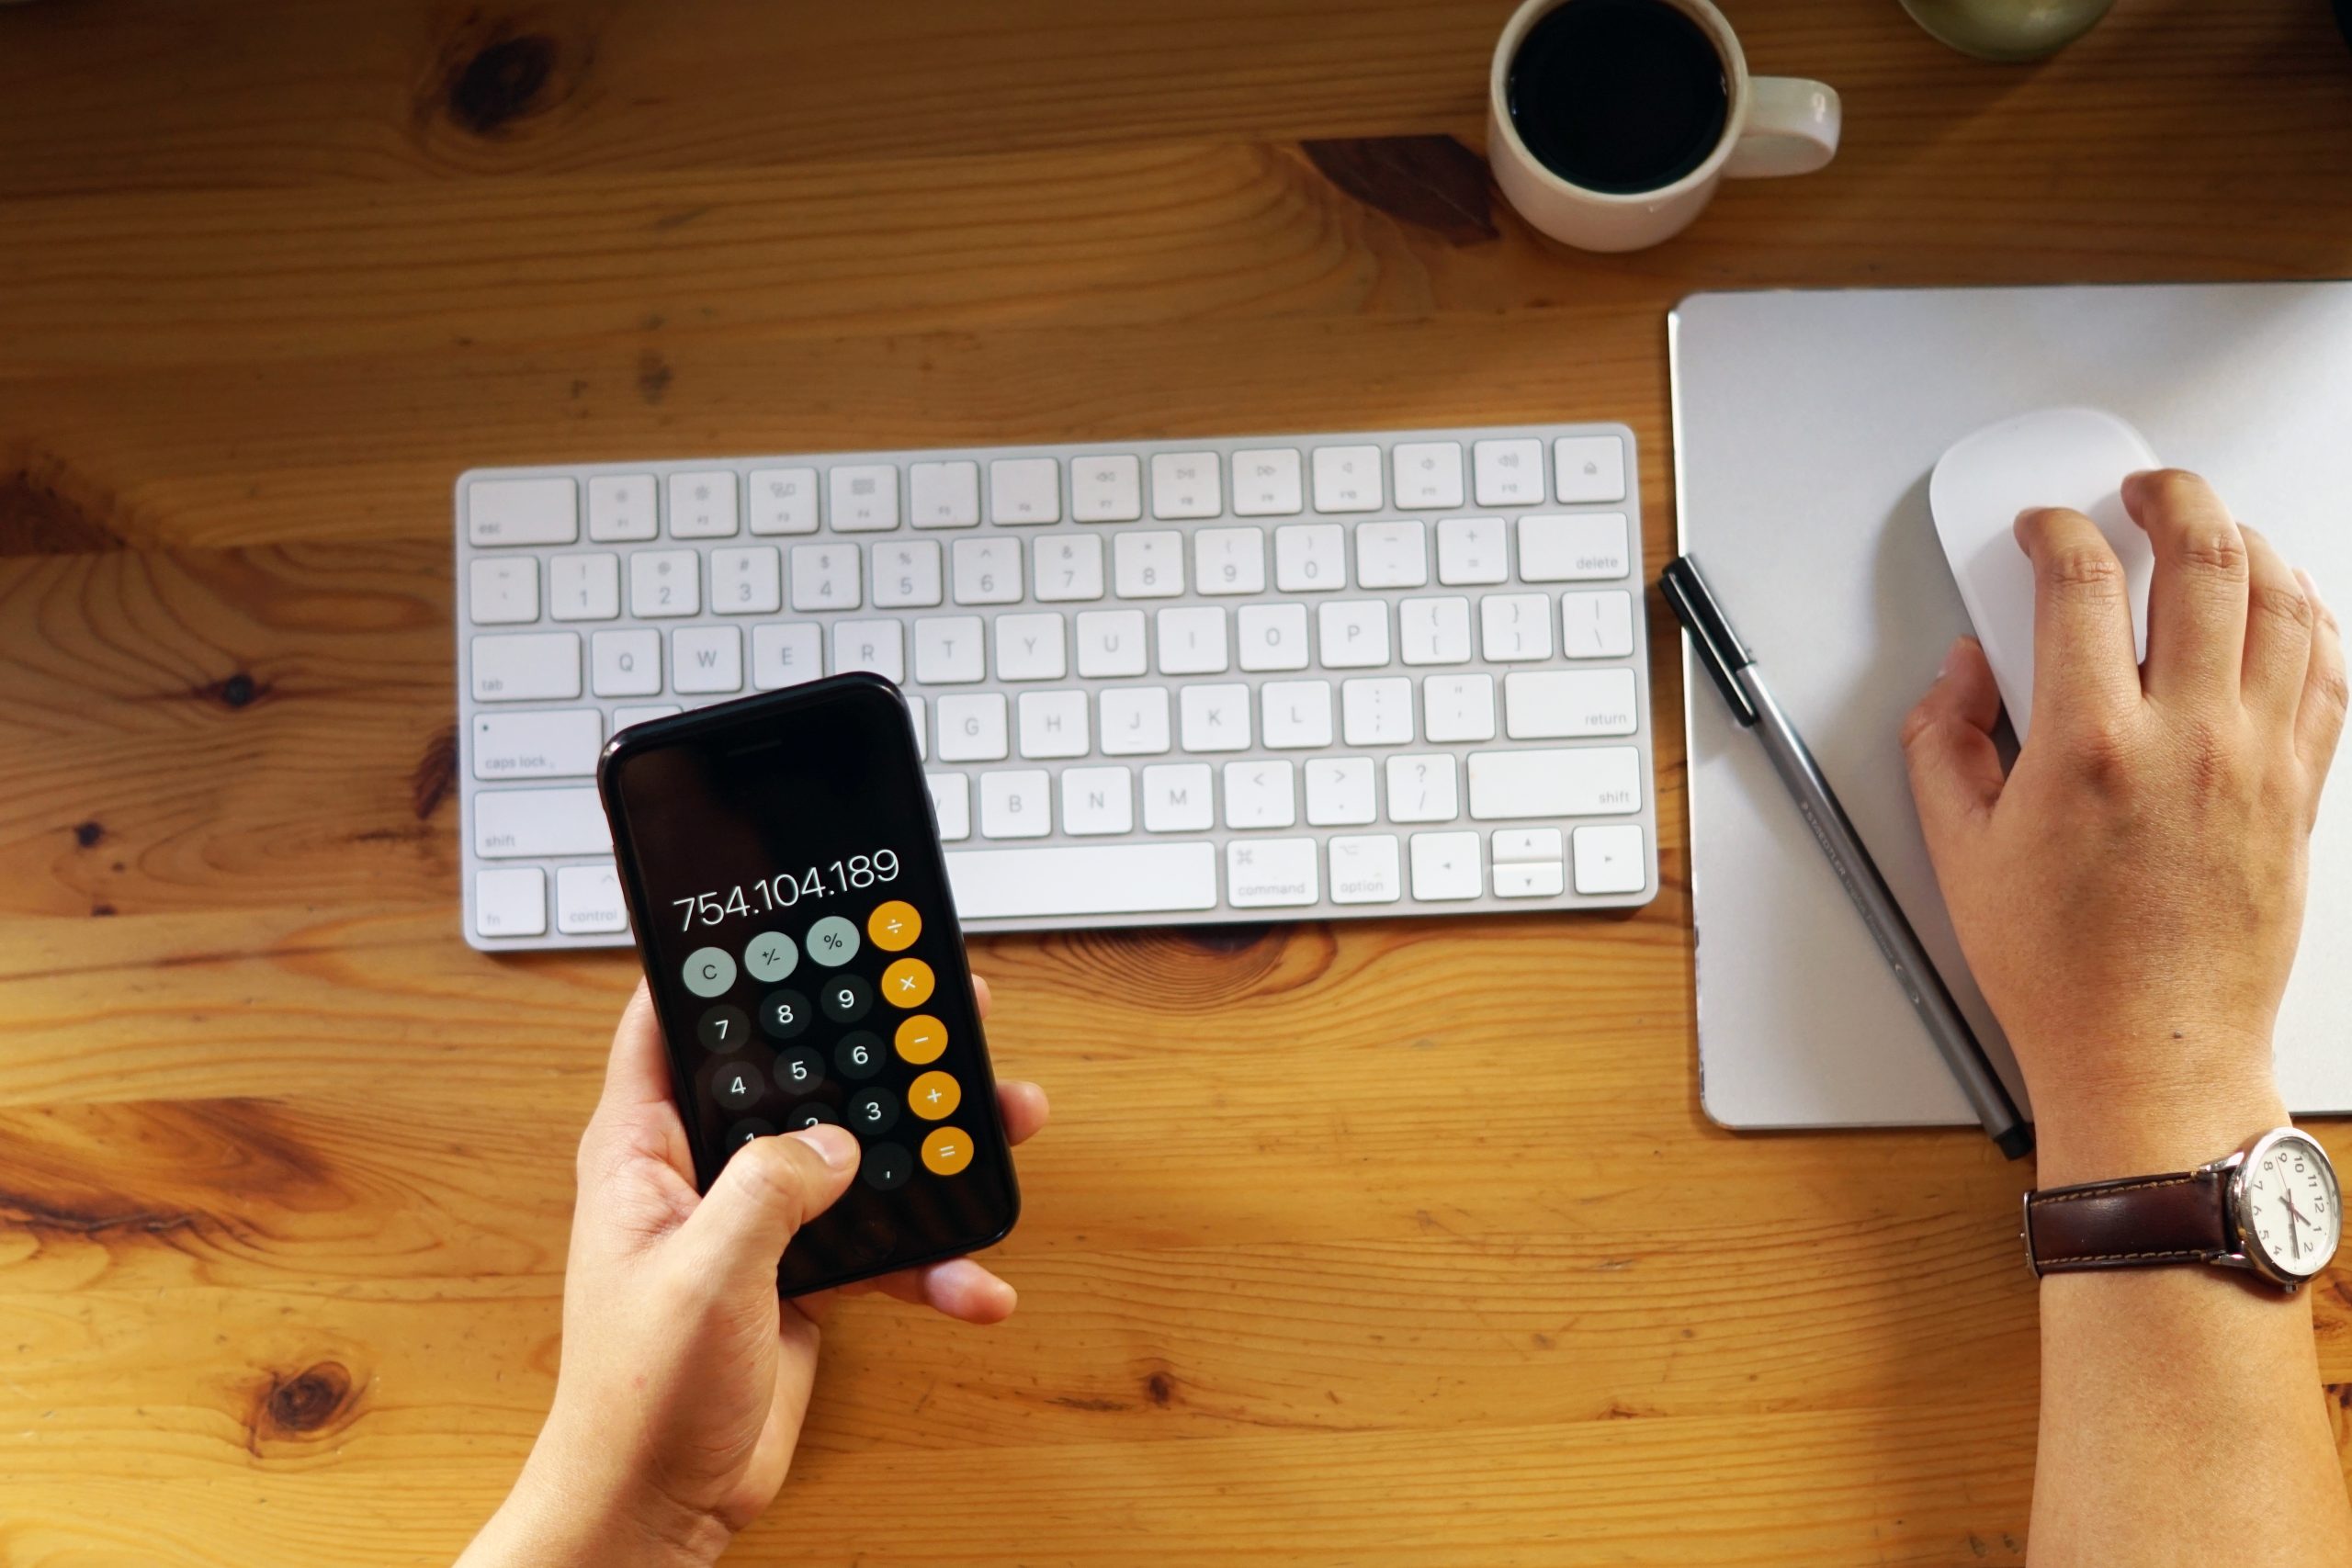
column 1734, row 673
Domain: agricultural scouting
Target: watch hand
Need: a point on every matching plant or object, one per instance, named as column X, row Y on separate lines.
column 2294, row 1235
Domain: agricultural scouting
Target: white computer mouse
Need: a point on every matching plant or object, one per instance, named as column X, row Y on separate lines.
column 2074, row 458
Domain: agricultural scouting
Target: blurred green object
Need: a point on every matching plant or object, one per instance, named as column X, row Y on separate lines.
column 2007, row 29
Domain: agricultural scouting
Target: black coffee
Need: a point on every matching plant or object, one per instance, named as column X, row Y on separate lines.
column 1618, row 95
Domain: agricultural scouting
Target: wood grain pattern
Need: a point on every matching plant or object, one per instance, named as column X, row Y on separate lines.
column 1400, row 1243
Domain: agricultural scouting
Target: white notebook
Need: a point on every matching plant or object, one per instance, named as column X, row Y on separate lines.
column 1805, row 427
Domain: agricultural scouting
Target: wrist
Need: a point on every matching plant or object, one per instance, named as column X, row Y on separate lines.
column 2101, row 1136
column 560, row 1517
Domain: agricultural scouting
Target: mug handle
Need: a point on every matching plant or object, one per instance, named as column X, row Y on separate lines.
column 1791, row 129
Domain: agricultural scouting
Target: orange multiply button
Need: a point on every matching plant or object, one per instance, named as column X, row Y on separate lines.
column 893, row 926
column 907, row 983
column 921, row 1039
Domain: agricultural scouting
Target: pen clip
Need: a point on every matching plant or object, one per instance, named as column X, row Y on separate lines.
column 1717, row 646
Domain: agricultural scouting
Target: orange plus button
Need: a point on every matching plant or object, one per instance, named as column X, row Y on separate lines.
column 921, row 1038
column 907, row 983
column 893, row 926
column 946, row 1151
column 934, row 1095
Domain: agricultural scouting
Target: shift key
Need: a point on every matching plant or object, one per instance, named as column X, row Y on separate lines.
column 510, row 822
column 1597, row 780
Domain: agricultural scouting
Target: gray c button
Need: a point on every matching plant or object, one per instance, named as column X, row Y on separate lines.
column 709, row 971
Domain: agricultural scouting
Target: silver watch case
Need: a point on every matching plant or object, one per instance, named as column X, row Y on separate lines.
column 2246, row 1238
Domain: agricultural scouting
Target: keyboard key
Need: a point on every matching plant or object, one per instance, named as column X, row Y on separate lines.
column 1457, row 708
column 783, row 501
column 1069, row 567
column 863, row 497
column 948, row 651
column 1294, row 714
column 1364, row 869
column 1427, row 474
column 1563, row 782
column 1434, row 631
column 502, row 590
column 510, row 901
column 1392, row 555
column 1106, row 489
column 1030, row 647
column 1229, row 560
column 705, row 661
column 1446, row 867
column 664, row 583
column 621, row 509
column 1272, row 637
column 1421, row 788
column 1147, row 566
column 1338, row 792
column 1053, row 724
column 626, row 663
column 1529, row 881
column 1515, row 628
column 1560, row 705
column 951, row 802
column 1595, row 625
column 988, row 571
column 1572, row 547
column 943, row 495
column 1470, row 552
column 1347, row 478
column 746, row 581
column 625, row 717
column 1214, row 718
column 1097, row 801
column 1191, row 641
column 510, row 824
column 1378, row 711
column 825, row 577
column 526, row 667
column 786, row 656
column 1272, row 874
column 550, row 743
column 972, row 729
column 1016, row 804
column 1611, row 860
column 1510, row 473
column 1184, row 484
column 1588, row 468
column 1110, row 643
column 1134, row 721
column 878, row 645
column 584, row 588
column 1261, row 794
column 1353, row 634
column 1527, row 862
column 1310, row 557
column 916, row 712
column 1025, row 490
column 500, row 512
column 588, row 900
column 1527, row 844
column 702, row 505
column 906, row 575
column 1266, row 482
column 1176, row 797
column 1079, row 880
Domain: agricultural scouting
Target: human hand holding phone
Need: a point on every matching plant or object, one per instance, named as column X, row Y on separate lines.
column 685, row 1377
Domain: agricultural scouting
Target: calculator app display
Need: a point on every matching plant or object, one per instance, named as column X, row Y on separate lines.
column 793, row 910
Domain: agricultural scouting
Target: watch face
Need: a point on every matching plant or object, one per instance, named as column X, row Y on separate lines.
column 2289, row 1209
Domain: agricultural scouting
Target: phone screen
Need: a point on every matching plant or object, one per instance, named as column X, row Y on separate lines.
column 788, row 896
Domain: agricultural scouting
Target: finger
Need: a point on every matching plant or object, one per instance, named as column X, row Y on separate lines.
column 2084, row 665
column 2319, row 721
column 981, row 995
column 2196, row 598
column 767, row 1190
column 959, row 1288
column 635, row 1115
column 1948, row 745
column 638, row 1071
column 2278, row 624
column 1023, row 1106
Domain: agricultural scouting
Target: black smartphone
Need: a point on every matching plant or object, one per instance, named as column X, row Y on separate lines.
column 786, row 887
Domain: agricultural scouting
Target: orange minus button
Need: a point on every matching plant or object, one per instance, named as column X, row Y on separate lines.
column 946, row 1152
column 893, row 926
column 907, row 983
column 933, row 1096
column 921, row 1038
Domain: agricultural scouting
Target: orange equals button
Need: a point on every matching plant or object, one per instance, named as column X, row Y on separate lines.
column 947, row 1151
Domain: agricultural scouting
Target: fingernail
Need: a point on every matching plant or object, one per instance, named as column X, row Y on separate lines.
column 1952, row 657
column 2310, row 587
column 834, row 1146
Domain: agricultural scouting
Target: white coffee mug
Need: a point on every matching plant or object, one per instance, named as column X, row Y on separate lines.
column 1776, row 125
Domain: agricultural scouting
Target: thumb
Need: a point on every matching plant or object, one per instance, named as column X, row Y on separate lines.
column 1948, row 742
column 766, row 1191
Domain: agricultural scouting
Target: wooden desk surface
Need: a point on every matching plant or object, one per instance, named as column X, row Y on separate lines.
column 1403, row 1242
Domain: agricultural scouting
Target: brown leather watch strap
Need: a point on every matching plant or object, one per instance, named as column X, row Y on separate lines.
column 2137, row 1222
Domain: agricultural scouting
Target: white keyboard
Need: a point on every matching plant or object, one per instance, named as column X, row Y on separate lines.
column 1290, row 677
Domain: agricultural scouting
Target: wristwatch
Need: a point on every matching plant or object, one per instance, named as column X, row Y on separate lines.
column 2271, row 1207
